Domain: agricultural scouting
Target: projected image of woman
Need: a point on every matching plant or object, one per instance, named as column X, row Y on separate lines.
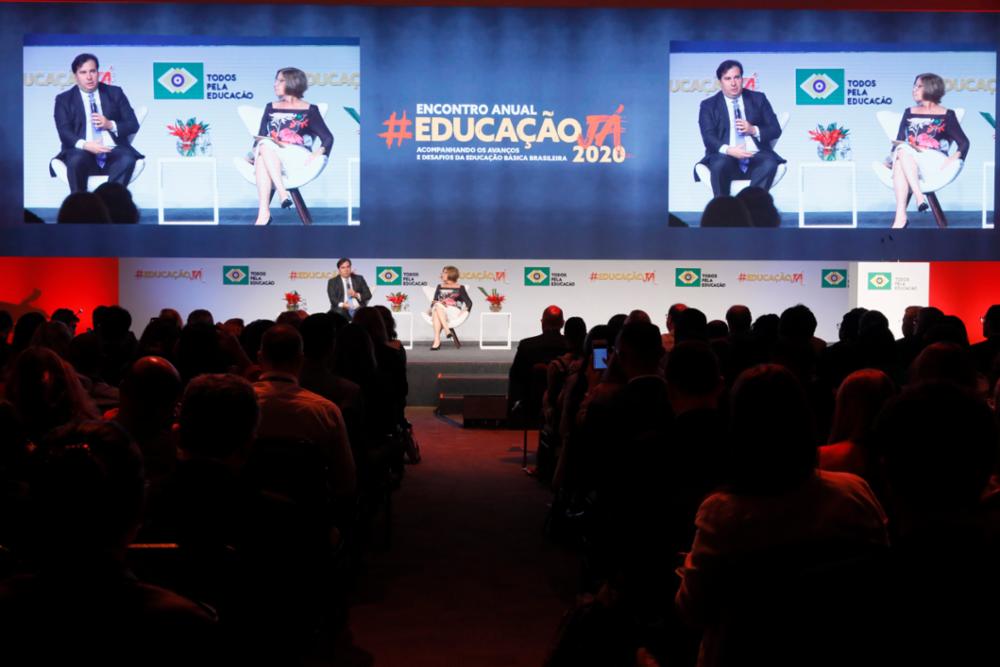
column 928, row 132
column 292, row 134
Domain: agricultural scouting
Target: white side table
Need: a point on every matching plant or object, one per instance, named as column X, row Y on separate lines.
column 987, row 188
column 404, row 318
column 825, row 166
column 210, row 162
column 482, row 326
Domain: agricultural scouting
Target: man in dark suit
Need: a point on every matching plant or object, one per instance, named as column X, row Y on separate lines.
column 348, row 291
column 533, row 351
column 95, row 122
column 738, row 126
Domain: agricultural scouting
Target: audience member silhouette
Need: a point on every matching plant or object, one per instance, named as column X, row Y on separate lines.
column 726, row 211
column 83, row 207
column 860, row 399
column 118, row 201
column 760, row 206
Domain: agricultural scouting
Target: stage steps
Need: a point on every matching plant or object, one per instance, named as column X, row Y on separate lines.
column 442, row 385
column 478, row 397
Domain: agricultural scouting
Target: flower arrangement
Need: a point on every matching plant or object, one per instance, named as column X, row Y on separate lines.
column 294, row 300
column 495, row 299
column 188, row 135
column 832, row 141
column 396, row 300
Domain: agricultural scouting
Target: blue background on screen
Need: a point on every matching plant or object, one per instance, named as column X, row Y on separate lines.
column 575, row 62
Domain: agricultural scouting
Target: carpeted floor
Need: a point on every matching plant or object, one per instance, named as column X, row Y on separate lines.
column 469, row 578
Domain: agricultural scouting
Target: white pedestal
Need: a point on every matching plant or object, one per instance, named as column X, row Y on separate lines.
column 482, row 327
column 404, row 321
column 987, row 188
column 826, row 166
column 188, row 161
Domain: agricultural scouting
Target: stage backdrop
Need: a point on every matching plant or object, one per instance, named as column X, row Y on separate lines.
column 840, row 84
column 592, row 289
column 177, row 79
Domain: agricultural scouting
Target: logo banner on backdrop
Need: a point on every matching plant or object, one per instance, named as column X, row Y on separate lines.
column 890, row 287
column 592, row 289
column 839, row 86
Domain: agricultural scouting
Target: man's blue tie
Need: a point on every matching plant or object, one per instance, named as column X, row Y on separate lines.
column 744, row 162
column 98, row 136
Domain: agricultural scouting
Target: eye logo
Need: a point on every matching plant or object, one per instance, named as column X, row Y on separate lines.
column 880, row 281
column 688, row 278
column 536, row 276
column 235, row 275
column 178, row 81
column 834, row 278
column 819, row 86
column 388, row 275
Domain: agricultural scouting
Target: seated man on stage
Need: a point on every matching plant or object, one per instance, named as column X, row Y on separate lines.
column 95, row 121
column 737, row 127
column 348, row 291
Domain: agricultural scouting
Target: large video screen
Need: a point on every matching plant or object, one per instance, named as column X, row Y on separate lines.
column 829, row 114
column 193, row 110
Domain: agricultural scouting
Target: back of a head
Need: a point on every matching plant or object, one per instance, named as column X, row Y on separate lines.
column 281, row 347
column 6, row 324
column 201, row 316
column 55, row 336
column 944, row 362
column 926, row 318
column 948, row 329
column 640, row 348
column 118, row 200
column 739, row 319
column 388, row 320
column 171, row 315
column 552, row 318
column 67, row 317
column 991, row 321
column 115, row 323
column 859, row 400
column 150, row 389
column 615, row 324
column 354, row 354
column 218, row 416
column 760, row 205
column 45, row 391
column 726, row 211
column 850, row 324
column 24, row 329
column 292, row 318
column 372, row 322
column 159, row 338
column 693, row 369
column 252, row 333
column 575, row 332
column 772, row 438
column 716, row 330
column 690, row 324
column 83, row 208
column 766, row 327
column 87, row 490
column 939, row 444
column 638, row 315
column 797, row 323
column 318, row 335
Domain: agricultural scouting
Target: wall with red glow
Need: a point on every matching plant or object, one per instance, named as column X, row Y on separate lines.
column 965, row 289
column 47, row 283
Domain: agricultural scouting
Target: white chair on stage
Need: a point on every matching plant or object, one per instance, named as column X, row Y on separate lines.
column 59, row 167
column 705, row 176
column 294, row 178
column 452, row 323
column 929, row 183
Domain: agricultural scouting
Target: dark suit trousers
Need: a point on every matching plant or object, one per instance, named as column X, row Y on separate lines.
column 81, row 164
column 725, row 170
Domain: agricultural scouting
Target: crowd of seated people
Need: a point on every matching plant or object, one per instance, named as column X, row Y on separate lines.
column 742, row 492
column 201, row 494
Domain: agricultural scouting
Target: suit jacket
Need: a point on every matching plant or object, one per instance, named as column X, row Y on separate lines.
column 335, row 290
column 72, row 117
column 713, row 119
column 540, row 349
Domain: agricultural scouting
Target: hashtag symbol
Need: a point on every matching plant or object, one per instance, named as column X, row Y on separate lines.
column 593, row 276
column 743, row 277
column 293, row 275
column 397, row 130
column 138, row 273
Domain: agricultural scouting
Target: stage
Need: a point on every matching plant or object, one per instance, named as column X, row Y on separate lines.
column 442, row 378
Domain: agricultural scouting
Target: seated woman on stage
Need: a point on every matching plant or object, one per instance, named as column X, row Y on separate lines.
column 292, row 134
column 450, row 299
column 926, row 134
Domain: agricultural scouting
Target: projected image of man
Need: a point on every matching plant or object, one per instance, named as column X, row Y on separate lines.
column 737, row 126
column 94, row 121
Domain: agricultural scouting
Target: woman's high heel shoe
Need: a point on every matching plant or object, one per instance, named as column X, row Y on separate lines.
column 435, row 349
column 923, row 208
column 286, row 203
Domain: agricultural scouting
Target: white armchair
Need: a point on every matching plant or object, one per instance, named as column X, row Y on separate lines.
column 452, row 323
column 294, row 178
column 59, row 167
column 705, row 176
column 929, row 183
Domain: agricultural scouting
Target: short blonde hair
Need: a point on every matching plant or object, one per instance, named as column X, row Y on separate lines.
column 451, row 273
